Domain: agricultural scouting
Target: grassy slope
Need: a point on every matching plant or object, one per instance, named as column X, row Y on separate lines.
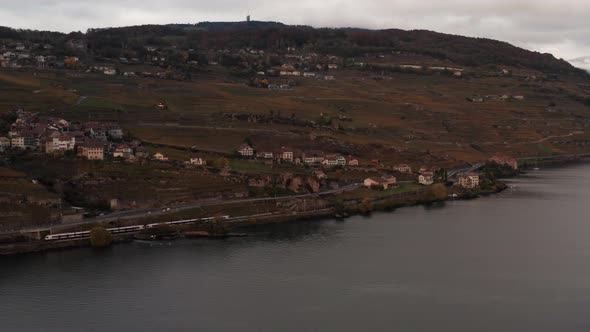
column 408, row 112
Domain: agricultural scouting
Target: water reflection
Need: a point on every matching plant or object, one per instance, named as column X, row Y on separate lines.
column 517, row 261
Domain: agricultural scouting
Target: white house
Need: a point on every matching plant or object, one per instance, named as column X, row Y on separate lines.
column 92, row 150
column 403, row 168
column 123, row 151
column 334, row 160
column 110, row 71
column 388, row 182
column 18, row 142
column 426, row 178
column 245, row 150
column 198, row 161
column 61, row 143
column 265, row 155
column 313, row 157
column 159, row 156
column 351, row 161
column 370, row 183
column 469, row 181
column 286, row 154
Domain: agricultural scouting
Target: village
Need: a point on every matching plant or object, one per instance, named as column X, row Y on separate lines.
column 310, row 171
column 164, row 131
column 105, row 140
column 267, row 68
column 272, row 166
column 273, row 70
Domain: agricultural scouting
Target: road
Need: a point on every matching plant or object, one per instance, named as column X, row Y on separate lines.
column 562, row 156
column 137, row 213
column 151, row 212
column 554, row 136
column 145, row 212
column 453, row 173
column 178, row 125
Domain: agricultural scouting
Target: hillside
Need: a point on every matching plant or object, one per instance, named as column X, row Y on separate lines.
column 175, row 92
column 582, row 62
column 233, row 25
column 274, row 37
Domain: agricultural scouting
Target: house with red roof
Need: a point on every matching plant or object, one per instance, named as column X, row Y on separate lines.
column 505, row 160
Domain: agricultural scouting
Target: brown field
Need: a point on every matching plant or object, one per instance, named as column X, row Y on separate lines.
column 402, row 117
column 414, row 118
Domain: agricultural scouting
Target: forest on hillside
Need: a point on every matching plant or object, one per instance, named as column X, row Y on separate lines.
column 276, row 37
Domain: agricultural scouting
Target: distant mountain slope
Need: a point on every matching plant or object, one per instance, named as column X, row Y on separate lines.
column 276, row 37
column 237, row 25
column 583, row 62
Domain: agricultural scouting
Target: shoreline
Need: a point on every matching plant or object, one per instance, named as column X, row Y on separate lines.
column 383, row 204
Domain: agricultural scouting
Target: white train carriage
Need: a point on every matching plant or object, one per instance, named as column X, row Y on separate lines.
column 184, row 222
column 86, row 234
column 66, row 236
column 126, row 229
column 181, row 222
column 213, row 218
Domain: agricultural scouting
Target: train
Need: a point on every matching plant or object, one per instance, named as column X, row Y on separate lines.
column 128, row 229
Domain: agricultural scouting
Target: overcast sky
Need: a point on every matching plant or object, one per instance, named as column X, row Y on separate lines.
column 559, row 27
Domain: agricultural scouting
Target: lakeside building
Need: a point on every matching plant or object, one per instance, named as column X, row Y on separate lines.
column 426, row 178
column 468, row 181
column 505, row 160
column 388, row 182
column 369, row 183
column 385, row 182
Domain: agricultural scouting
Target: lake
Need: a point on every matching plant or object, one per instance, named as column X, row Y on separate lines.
column 516, row 261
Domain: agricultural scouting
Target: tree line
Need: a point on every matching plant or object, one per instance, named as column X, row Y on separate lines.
column 345, row 42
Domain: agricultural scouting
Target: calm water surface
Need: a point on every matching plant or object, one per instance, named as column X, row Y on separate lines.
column 518, row 261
